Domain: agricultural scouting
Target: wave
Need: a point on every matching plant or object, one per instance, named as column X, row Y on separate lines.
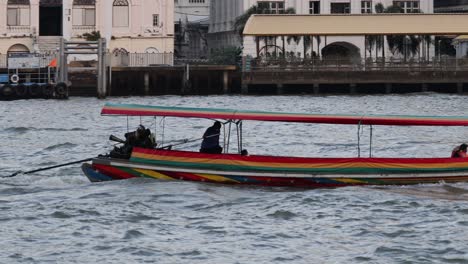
column 62, row 145
column 23, row 130
column 283, row 214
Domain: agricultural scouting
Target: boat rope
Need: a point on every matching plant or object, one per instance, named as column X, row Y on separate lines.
column 155, row 128
column 228, row 137
column 370, row 142
column 241, row 146
column 163, row 121
column 224, row 137
column 359, row 139
column 238, row 138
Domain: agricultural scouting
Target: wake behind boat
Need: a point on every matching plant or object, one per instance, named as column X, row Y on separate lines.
column 149, row 161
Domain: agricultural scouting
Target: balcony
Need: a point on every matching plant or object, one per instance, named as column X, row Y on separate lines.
column 19, row 30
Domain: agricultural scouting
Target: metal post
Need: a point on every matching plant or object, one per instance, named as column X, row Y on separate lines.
column 104, row 67
column 99, row 78
column 62, row 59
column 225, row 82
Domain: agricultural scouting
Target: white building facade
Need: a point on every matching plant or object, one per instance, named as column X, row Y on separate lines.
column 127, row 25
column 191, row 10
column 225, row 12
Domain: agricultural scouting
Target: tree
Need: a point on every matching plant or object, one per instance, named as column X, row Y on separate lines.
column 403, row 44
column 226, row 56
column 93, row 36
column 241, row 21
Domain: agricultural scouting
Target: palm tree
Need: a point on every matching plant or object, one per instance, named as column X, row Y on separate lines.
column 239, row 23
column 379, row 9
column 403, row 44
column 318, row 39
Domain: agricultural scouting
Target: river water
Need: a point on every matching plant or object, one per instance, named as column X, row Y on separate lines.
column 58, row 216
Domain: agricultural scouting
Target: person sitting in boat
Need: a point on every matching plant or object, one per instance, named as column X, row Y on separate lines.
column 460, row 151
column 210, row 143
column 141, row 138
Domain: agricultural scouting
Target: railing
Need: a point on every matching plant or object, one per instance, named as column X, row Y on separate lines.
column 44, row 59
column 80, row 30
column 141, row 59
column 316, row 64
column 19, row 29
column 115, row 60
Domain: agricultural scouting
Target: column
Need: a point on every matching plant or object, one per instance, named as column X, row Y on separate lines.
column 352, row 88
column 3, row 13
column 459, row 88
column 34, row 16
column 146, row 81
column 279, row 89
column 67, row 19
column 388, row 88
column 316, row 88
column 225, row 82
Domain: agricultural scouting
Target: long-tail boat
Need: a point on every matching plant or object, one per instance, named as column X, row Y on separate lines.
column 306, row 172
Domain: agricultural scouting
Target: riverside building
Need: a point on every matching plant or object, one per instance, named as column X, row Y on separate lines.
column 225, row 12
column 135, row 26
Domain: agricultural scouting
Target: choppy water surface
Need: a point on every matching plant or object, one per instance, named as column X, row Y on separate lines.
column 57, row 216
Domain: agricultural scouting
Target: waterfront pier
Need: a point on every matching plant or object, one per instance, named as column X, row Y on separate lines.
column 350, row 60
column 328, row 77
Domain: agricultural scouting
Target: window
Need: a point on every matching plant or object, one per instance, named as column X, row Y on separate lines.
column 18, row 13
column 314, row 7
column 120, row 13
column 272, row 7
column 366, row 7
column 84, row 16
column 197, row 1
column 340, row 8
column 155, row 20
column 408, row 6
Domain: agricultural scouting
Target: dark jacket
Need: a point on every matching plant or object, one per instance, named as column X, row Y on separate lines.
column 209, row 138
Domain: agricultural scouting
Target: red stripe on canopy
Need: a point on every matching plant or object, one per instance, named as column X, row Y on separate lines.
column 228, row 114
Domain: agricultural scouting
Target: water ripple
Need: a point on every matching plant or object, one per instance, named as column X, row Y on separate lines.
column 58, row 216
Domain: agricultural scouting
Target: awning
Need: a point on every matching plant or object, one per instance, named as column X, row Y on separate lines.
column 230, row 114
column 354, row 25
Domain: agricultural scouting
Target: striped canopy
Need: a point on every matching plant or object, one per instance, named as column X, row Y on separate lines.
column 229, row 114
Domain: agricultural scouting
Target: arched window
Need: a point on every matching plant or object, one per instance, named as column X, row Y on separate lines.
column 18, row 13
column 151, row 50
column 120, row 13
column 84, row 12
column 18, row 48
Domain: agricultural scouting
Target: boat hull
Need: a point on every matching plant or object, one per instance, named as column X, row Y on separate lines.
column 104, row 169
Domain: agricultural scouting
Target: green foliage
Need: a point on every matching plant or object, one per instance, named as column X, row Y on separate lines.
column 93, row 36
column 379, row 8
column 241, row 20
column 405, row 45
column 226, row 56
